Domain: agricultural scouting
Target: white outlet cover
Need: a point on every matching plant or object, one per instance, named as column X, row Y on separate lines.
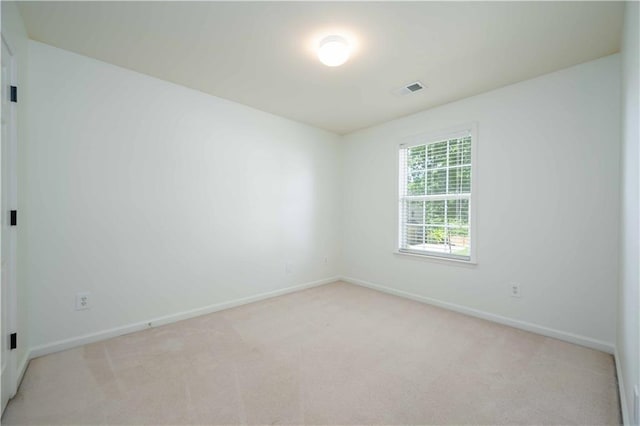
column 83, row 301
column 515, row 290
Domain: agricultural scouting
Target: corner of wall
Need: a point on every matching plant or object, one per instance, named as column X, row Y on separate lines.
column 628, row 309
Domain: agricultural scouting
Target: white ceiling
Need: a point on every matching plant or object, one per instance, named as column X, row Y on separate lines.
column 261, row 53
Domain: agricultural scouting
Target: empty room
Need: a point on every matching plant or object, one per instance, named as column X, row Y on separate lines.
column 325, row 213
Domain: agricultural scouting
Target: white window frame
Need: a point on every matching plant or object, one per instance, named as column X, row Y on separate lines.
column 425, row 139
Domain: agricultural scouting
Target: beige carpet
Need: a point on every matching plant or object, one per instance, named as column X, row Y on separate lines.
column 336, row 354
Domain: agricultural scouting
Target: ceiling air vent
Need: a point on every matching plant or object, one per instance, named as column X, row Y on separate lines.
column 416, row 86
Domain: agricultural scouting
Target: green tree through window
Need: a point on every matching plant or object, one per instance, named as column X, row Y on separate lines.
column 435, row 197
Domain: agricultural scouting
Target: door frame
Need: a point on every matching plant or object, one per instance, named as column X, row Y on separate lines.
column 12, row 305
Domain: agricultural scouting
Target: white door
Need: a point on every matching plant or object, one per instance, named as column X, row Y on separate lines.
column 8, row 201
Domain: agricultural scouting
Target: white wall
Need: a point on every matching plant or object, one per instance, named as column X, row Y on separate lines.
column 16, row 36
column 547, row 203
column 628, row 346
column 158, row 199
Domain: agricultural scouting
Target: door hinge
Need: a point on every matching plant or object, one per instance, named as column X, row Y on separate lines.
column 14, row 340
column 13, row 219
column 14, row 94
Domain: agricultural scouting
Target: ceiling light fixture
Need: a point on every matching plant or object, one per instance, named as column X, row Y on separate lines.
column 333, row 51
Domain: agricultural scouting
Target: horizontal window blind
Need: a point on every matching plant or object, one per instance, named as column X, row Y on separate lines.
column 435, row 197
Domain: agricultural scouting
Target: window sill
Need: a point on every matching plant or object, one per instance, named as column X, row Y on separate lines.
column 437, row 259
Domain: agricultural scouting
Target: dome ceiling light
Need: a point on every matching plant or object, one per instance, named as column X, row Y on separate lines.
column 333, row 50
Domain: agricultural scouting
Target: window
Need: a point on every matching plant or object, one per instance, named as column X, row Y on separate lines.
column 436, row 195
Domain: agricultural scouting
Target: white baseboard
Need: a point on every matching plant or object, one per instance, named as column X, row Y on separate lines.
column 22, row 367
column 168, row 319
column 523, row 325
column 626, row 416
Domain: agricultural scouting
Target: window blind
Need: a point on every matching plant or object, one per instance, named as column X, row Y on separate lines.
column 435, row 197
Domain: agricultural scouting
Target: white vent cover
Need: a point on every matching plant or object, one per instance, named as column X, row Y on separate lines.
column 416, row 86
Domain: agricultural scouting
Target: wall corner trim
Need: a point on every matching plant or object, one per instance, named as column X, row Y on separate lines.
column 626, row 416
column 522, row 325
column 22, row 368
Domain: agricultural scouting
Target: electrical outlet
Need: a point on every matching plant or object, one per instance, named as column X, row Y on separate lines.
column 326, row 260
column 515, row 290
column 82, row 301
